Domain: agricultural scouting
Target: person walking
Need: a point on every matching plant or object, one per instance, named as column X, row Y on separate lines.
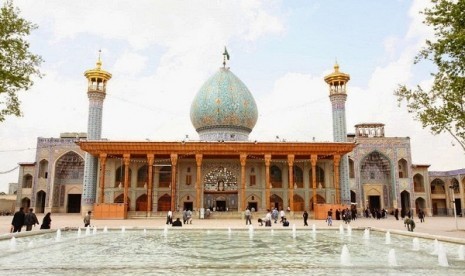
column 305, row 216
column 421, row 216
column 274, row 215
column 46, row 222
column 282, row 214
column 169, row 217
column 87, row 219
column 30, row 219
column 18, row 220
column 248, row 217
column 330, row 217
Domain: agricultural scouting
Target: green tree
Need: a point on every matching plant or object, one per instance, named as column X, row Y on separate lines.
column 442, row 106
column 18, row 65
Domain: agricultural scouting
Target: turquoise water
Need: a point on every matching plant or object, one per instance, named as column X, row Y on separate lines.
column 219, row 252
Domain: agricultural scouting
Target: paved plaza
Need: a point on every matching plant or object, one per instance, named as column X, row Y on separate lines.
column 444, row 227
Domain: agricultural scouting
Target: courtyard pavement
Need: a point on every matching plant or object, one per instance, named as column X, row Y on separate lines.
column 443, row 228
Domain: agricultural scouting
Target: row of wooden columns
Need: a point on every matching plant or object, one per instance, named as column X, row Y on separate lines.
column 198, row 181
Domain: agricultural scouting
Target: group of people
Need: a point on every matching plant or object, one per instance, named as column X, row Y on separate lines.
column 186, row 218
column 29, row 219
column 271, row 215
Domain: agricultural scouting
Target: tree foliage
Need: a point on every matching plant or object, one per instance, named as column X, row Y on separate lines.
column 18, row 66
column 442, row 106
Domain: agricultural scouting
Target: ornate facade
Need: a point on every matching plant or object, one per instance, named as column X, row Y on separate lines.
column 224, row 171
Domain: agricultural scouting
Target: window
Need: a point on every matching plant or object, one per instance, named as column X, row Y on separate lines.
column 252, row 180
column 188, row 179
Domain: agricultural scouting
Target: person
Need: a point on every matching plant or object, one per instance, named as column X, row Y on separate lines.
column 261, row 220
column 330, row 217
column 18, row 220
column 169, row 217
column 189, row 217
column 87, row 219
column 268, row 218
column 396, row 214
column 305, row 215
column 282, row 215
column 177, row 223
column 46, row 222
column 30, row 219
column 247, row 217
column 285, row 223
column 421, row 216
column 274, row 215
column 184, row 216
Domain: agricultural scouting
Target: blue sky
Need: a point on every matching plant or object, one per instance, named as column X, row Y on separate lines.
column 160, row 53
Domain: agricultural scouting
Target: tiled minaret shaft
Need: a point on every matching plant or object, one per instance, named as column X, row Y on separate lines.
column 337, row 82
column 96, row 92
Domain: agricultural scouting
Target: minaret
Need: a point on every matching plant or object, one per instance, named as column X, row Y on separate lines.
column 96, row 92
column 337, row 94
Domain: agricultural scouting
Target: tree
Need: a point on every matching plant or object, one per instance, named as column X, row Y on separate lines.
column 442, row 107
column 18, row 65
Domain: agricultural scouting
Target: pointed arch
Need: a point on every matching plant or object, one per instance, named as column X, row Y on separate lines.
column 418, row 183
column 119, row 177
column 164, row 177
column 320, row 177
column 351, row 168
column 438, row 186
column 142, row 174
column 69, row 167
column 299, row 203
column 43, row 168
column 276, row 177
column 164, row 203
column 298, row 177
column 402, row 166
column 27, row 181
column 276, row 202
column 40, row 201
column 141, row 203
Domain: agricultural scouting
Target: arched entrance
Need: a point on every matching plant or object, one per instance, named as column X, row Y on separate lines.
column 376, row 177
column 141, row 203
column 276, row 202
column 40, row 202
column 299, row 203
column 220, row 188
column 405, row 202
column 420, row 203
column 120, row 199
column 319, row 200
column 164, row 203
column 25, row 203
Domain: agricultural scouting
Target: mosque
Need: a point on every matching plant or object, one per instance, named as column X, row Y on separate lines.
column 226, row 172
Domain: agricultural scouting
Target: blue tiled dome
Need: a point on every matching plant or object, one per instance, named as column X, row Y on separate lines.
column 224, row 109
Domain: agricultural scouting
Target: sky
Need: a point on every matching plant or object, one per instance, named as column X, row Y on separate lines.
column 161, row 52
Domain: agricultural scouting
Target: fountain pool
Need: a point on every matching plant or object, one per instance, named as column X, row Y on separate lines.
column 225, row 252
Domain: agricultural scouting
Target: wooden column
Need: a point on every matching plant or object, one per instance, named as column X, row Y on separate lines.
column 198, row 181
column 337, row 159
column 127, row 161
column 313, row 160
column 103, row 161
column 243, row 158
column 267, row 180
column 290, row 162
column 150, row 160
column 174, row 162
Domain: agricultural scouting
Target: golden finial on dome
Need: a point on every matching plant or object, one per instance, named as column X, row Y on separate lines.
column 337, row 80
column 97, row 77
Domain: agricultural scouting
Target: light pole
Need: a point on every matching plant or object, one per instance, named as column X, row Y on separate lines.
column 453, row 187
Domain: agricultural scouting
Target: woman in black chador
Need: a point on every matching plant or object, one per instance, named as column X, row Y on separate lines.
column 46, row 222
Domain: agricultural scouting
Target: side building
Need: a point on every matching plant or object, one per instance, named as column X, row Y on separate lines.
column 53, row 183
